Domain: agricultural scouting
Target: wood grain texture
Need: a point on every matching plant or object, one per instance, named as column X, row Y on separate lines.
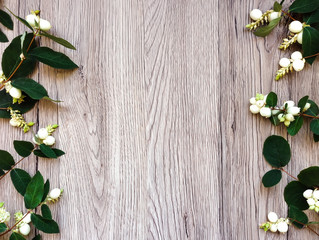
column 160, row 143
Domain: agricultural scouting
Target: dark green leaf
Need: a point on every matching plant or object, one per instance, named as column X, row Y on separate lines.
column 311, row 18
column 309, row 176
column 6, row 20
column 23, row 148
column 302, row 102
column 1, row 172
column 44, row 225
column 272, row 178
column 295, row 126
column 61, row 41
column 34, row 192
column 16, row 236
column 58, row 153
column 46, row 212
column 20, row 180
column 46, row 190
column 313, row 110
column 277, row 151
column 33, row 89
column 316, row 138
column 3, row 227
column 277, row 7
column 271, row 100
column 11, row 58
column 47, row 151
column 314, row 126
column 294, row 195
column 274, row 120
column 37, row 237
column 52, row 58
column 3, row 37
column 304, row 6
column 310, row 40
column 296, row 215
column 21, row 19
column 264, row 31
column 6, row 160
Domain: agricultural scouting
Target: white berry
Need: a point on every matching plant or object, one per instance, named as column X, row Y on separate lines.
column 289, row 117
column 296, row 55
column 295, row 27
column 14, row 123
column 43, row 133
column 282, row 227
column 272, row 217
column 284, row 62
column 298, row 65
column 256, row 14
column 307, row 106
column 260, row 103
column 315, row 194
column 265, row 112
column 45, row 25
column 289, row 104
column 308, row 193
column 254, row 109
column 273, row 228
column 293, row 110
column 49, row 141
column 299, row 37
column 287, row 123
column 252, row 101
column 311, row 202
column 31, row 19
column 273, row 16
column 15, row 93
column 25, row 229
column 55, row 193
column 27, row 218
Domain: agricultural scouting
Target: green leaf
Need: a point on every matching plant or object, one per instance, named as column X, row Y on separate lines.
column 52, row 58
column 47, row 151
column 316, row 138
column 277, row 151
column 304, row 6
column 37, row 237
column 20, row 180
column 46, row 190
column 58, row 153
column 274, row 120
column 11, row 58
column 23, row 148
column 3, row 37
column 313, row 110
column 297, row 215
column 311, row 18
column 310, row 46
column 295, row 126
column 277, row 7
column 1, row 172
column 61, row 41
column 44, row 225
column 314, row 126
column 294, row 195
column 302, row 102
column 33, row 89
column 21, row 19
column 309, row 176
column 46, row 212
column 264, row 31
column 271, row 100
column 34, row 192
column 3, row 227
column 16, row 236
column 6, row 160
column 6, row 20
column 272, row 178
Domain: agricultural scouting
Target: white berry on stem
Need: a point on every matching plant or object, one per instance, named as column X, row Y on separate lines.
column 256, row 14
column 295, row 26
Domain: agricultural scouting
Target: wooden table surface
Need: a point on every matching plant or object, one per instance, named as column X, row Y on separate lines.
column 156, row 125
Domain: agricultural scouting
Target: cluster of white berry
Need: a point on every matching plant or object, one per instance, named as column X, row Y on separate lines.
column 275, row 224
column 312, row 197
column 44, row 135
column 4, row 215
column 260, row 18
column 296, row 33
column 296, row 62
column 36, row 22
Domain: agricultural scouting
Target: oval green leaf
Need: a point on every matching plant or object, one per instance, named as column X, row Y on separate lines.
column 264, row 31
column 34, row 191
column 20, row 180
column 304, row 6
column 46, row 212
column 44, row 225
column 272, row 178
column 310, row 46
column 58, row 40
column 47, row 151
column 295, row 126
column 310, row 176
column 294, row 195
column 3, row 227
column 6, row 160
column 23, row 148
column 277, row 151
column 297, row 216
column 314, row 126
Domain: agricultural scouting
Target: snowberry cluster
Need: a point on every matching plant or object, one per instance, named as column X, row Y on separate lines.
column 286, row 113
column 44, row 135
column 23, row 223
column 296, row 62
column 36, row 22
column 17, row 120
column 260, row 18
column 275, row 224
column 312, row 197
column 296, row 32
column 4, row 215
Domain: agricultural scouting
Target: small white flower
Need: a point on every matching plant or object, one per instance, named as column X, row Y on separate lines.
column 15, row 93
column 252, row 101
column 293, row 110
column 311, row 201
column 299, row 38
column 315, row 194
column 260, row 103
column 32, row 19
column 43, row 133
column 45, row 25
column 282, row 227
column 296, row 55
column 295, row 27
column 272, row 217
column 49, row 141
column 289, row 117
column 254, row 109
column 273, row 16
column 255, row 14
column 289, row 104
column 265, row 112
column 307, row 106
column 273, row 228
column 308, row 193
column 55, row 193
column 25, row 229
column 284, row 62
column 298, row 65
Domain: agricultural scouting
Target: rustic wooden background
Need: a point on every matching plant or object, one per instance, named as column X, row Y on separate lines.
column 159, row 139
